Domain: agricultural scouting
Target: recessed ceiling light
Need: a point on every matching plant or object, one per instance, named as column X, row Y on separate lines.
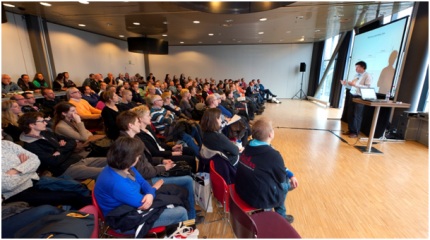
column 260, row 33
column 81, row 25
column 229, row 20
column 210, row 34
column 136, row 23
column 165, row 22
column 121, row 36
column 196, row 22
column 164, row 35
column 45, row 4
column 263, row 19
column 239, row 41
column 317, row 30
column 84, row 2
column 200, row 42
column 181, row 42
column 8, row 5
column 281, row 40
column 288, row 31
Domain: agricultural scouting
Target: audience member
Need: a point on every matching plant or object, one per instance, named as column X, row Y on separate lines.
column 31, row 102
column 110, row 113
column 91, row 96
column 92, row 82
column 110, row 80
column 7, row 85
column 10, row 111
column 134, row 88
column 25, row 84
column 265, row 92
column 262, row 167
column 56, row 153
column 48, row 102
column 126, row 102
column 121, row 184
column 59, row 83
column 39, row 82
column 20, row 180
column 22, row 102
column 84, row 109
column 68, row 83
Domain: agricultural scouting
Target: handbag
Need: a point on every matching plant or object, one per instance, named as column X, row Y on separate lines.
column 180, row 169
column 202, row 191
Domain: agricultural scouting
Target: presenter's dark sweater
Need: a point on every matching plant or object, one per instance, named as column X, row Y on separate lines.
column 259, row 176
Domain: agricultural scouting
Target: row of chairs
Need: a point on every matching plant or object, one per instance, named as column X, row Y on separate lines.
column 246, row 221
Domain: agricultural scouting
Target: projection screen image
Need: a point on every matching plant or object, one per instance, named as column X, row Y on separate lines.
column 380, row 49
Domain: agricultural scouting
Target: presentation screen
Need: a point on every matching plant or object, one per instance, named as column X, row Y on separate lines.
column 380, row 49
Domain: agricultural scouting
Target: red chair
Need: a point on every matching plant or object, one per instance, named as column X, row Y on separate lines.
column 108, row 232
column 91, row 209
column 242, row 204
column 258, row 225
column 220, row 188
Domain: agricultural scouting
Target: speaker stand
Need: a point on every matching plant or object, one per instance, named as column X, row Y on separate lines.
column 300, row 92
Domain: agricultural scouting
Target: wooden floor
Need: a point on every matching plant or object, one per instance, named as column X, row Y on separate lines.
column 342, row 192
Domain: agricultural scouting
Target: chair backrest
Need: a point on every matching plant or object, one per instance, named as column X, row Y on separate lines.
column 91, row 209
column 220, row 188
column 242, row 223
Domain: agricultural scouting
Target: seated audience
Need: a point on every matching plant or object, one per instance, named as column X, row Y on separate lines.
column 185, row 104
column 214, row 142
column 84, row 109
column 25, row 84
column 92, row 82
column 126, row 102
column 31, row 102
column 56, row 153
column 103, row 86
column 158, row 149
column 134, row 88
column 151, row 167
column 262, row 167
column 110, row 79
column 265, row 92
column 67, row 82
column 7, row 85
column 59, row 83
column 23, row 104
column 168, row 105
column 91, row 96
column 10, row 112
column 20, row 180
column 39, row 82
column 110, row 113
column 68, row 123
column 160, row 117
column 48, row 102
column 121, row 184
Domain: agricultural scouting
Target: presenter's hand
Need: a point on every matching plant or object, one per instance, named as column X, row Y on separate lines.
column 294, row 183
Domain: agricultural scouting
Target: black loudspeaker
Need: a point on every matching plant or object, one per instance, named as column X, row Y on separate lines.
column 302, row 67
column 147, row 45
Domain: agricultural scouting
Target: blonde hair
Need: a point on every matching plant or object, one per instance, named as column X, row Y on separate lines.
column 140, row 110
column 184, row 91
column 154, row 97
column 7, row 116
column 261, row 129
column 165, row 95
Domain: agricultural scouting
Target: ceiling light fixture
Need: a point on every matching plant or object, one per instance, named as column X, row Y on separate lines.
column 263, row 19
column 84, row 2
column 288, row 32
column 181, row 42
column 165, row 22
column 136, row 23
column 45, row 4
column 196, row 22
column 260, row 33
column 210, row 34
column 317, row 30
column 121, row 36
column 229, row 20
column 164, row 35
column 8, row 5
column 81, row 25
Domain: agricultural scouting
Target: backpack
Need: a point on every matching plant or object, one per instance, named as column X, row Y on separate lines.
column 180, row 169
column 69, row 224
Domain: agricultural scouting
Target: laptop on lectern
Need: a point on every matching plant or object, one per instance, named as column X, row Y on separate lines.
column 369, row 94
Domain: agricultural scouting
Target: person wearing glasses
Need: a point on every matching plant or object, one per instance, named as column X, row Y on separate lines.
column 84, row 109
column 23, row 103
column 31, row 101
column 56, row 153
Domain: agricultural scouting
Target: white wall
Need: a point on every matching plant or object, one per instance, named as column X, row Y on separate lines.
column 276, row 65
column 16, row 54
column 81, row 53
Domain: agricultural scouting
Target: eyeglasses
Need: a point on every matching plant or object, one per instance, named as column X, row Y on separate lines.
column 41, row 121
column 74, row 92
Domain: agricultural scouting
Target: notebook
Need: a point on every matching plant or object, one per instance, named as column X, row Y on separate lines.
column 369, row 94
